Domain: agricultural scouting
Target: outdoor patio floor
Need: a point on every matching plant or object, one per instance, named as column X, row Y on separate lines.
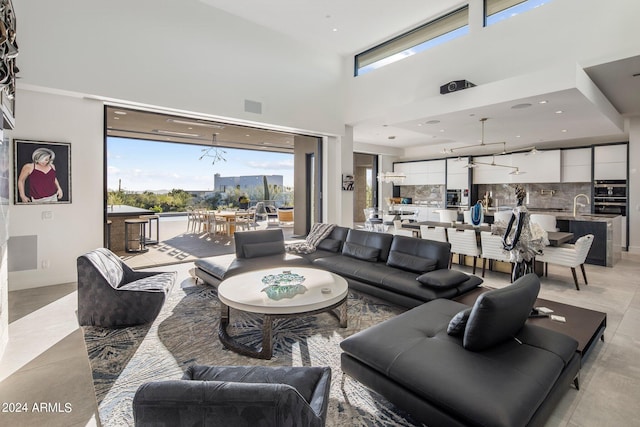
column 177, row 244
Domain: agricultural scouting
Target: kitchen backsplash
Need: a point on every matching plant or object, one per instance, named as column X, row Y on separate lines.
column 423, row 193
column 556, row 196
column 540, row 196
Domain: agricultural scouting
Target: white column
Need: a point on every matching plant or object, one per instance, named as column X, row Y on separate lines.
column 633, row 215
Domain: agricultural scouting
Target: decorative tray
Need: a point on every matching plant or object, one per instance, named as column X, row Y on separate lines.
column 284, row 285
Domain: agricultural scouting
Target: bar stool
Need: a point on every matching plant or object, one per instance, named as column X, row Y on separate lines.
column 150, row 220
column 137, row 227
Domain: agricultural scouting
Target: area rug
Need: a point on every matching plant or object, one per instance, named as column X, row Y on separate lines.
column 185, row 333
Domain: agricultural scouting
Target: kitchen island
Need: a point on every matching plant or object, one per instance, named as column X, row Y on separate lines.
column 606, row 229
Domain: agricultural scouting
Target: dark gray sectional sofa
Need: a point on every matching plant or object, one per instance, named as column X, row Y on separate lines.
column 443, row 362
column 403, row 270
column 448, row 364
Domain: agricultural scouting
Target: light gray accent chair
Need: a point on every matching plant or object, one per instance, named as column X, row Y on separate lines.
column 256, row 396
column 111, row 294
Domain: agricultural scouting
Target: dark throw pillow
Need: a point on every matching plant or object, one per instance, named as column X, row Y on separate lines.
column 328, row 244
column 255, row 250
column 458, row 322
column 499, row 314
column 357, row 251
column 442, row 278
column 410, row 262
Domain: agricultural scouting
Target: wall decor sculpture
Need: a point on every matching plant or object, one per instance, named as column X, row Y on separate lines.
column 8, row 67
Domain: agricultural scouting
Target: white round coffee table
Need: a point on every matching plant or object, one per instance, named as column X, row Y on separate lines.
column 325, row 291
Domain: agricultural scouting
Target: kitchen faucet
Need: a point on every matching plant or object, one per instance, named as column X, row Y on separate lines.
column 575, row 202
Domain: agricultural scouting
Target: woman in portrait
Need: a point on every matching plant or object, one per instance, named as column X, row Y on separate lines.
column 43, row 182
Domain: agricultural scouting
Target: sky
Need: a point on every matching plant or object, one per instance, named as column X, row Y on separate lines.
column 149, row 165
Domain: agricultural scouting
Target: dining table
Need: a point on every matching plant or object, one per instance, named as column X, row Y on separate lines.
column 556, row 238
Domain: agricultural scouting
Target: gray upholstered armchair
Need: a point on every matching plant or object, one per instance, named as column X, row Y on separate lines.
column 111, row 294
column 256, row 396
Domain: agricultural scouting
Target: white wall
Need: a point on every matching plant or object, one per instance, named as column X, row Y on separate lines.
column 178, row 54
column 633, row 216
column 76, row 227
column 562, row 33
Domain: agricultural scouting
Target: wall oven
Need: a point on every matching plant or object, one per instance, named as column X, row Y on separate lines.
column 610, row 197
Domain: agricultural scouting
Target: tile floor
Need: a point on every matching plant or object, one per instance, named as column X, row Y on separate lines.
column 46, row 360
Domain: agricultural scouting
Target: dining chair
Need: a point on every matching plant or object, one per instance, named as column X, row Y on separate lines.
column 493, row 250
column 546, row 221
column 223, row 224
column 463, row 243
column 433, row 233
column 242, row 221
column 568, row 256
column 502, row 216
column 399, row 231
column 448, row 215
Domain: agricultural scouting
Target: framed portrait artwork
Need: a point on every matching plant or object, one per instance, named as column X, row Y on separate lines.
column 347, row 182
column 42, row 172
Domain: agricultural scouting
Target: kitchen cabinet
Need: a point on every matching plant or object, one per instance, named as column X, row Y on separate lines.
column 610, row 161
column 484, row 173
column 536, row 168
column 458, row 173
column 427, row 172
column 576, row 165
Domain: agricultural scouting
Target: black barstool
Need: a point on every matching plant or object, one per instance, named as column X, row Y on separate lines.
column 134, row 230
column 147, row 236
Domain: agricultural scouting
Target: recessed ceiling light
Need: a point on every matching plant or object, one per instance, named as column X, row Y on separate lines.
column 121, row 113
column 520, row 106
column 116, row 118
column 335, row 30
column 195, row 123
column 247, row 135
column 441, row 130
column 419, row 124
column 559, row 112
column 544, row 101
column 564, row 130
column 433, row 122
column 517, row 136
column 170, row 132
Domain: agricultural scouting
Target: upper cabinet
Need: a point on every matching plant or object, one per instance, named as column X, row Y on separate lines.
column 576, row 165
column 610, row 162
column 544, row 166
column 484, row 173
column 541, row 167
column 458, row 173
column 427, row 172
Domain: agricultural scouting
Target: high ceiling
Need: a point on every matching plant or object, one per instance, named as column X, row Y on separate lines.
column 138, row 124
column 521, row 121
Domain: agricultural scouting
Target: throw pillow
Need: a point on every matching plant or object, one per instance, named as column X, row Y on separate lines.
column 329, row 244
column 442, row 278
column 410, row 262
column 255, row 250
column 357, row 251
column 499, row 314
column 458, row 322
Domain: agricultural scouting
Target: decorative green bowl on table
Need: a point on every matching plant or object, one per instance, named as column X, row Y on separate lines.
column 284, row 285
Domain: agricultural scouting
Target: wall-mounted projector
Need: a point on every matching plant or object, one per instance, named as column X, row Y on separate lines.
column 455, row 85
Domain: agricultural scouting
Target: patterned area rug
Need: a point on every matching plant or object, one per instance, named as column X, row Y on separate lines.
column 185, row 333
